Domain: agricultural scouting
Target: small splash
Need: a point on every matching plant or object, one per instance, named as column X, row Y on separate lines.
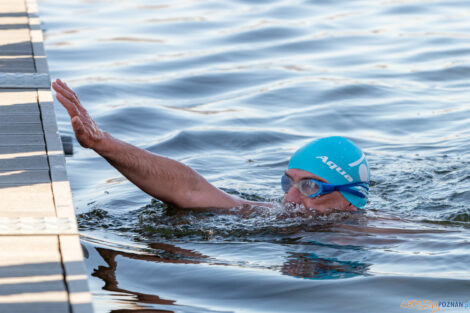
column 248, row 222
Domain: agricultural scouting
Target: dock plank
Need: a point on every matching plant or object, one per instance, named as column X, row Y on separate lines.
column 15, row 50
column 15, row 118
column 31, row 275
column 17, row 108
column 11, row 62
column 21, row 200
column 20, row 128
column 12, row 7
column 18, row 101
column 38, row 162
column 14, row 140
column 16, row 53
column 24, row 176
column 23, row 157
column 21, row 150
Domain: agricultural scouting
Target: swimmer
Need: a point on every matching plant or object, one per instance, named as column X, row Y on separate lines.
column 326, row 174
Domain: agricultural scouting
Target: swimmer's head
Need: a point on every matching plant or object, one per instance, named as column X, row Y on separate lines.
column 335, row 160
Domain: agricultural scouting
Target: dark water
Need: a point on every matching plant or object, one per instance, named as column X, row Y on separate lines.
column 232, row 88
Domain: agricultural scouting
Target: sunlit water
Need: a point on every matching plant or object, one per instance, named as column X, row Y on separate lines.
column 232, row 88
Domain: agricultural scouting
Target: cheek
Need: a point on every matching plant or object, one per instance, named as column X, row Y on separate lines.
column 313, row 203
column 330, row 201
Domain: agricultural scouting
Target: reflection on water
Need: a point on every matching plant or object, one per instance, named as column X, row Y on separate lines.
column 232, row 88
column 298, row 265
column 108, row 275
column 311, row 266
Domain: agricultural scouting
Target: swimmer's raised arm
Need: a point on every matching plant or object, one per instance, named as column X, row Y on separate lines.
column 161, row 177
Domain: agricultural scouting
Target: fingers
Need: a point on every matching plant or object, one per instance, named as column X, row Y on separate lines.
column 62, row 88
column 70, row 93
column 69, row 105
column 59, row 86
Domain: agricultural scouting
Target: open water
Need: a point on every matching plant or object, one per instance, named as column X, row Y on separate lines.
column 232, row 88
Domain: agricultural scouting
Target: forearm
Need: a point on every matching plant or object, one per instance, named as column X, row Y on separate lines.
column 163, row 178
column 160, row 177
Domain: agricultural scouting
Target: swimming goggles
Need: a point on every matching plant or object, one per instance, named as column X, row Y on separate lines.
column 312, row 188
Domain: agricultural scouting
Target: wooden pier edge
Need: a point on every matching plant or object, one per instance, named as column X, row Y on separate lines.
column 75, row 275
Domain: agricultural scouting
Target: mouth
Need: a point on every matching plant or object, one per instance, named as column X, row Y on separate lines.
column 297, row 207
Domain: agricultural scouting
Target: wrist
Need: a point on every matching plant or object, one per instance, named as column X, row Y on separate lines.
column 103, row 145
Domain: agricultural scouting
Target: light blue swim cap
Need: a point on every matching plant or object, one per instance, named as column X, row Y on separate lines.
column 337, row 160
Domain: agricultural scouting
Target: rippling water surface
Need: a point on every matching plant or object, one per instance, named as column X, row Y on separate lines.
column 232, row 88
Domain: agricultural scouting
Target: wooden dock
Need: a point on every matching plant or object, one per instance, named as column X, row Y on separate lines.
column 41, row 260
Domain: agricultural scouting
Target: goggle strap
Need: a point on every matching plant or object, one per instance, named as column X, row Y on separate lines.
column 362, row 184
column 347, row 188
column 353, row 191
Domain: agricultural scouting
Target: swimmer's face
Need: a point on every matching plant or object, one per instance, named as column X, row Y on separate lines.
column 321, row 204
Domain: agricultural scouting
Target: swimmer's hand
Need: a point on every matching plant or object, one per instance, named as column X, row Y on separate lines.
column 88, row 134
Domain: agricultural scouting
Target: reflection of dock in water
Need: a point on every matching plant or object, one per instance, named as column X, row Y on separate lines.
column 41, row 263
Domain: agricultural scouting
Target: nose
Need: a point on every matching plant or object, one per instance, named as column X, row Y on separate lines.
column 293, row 196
